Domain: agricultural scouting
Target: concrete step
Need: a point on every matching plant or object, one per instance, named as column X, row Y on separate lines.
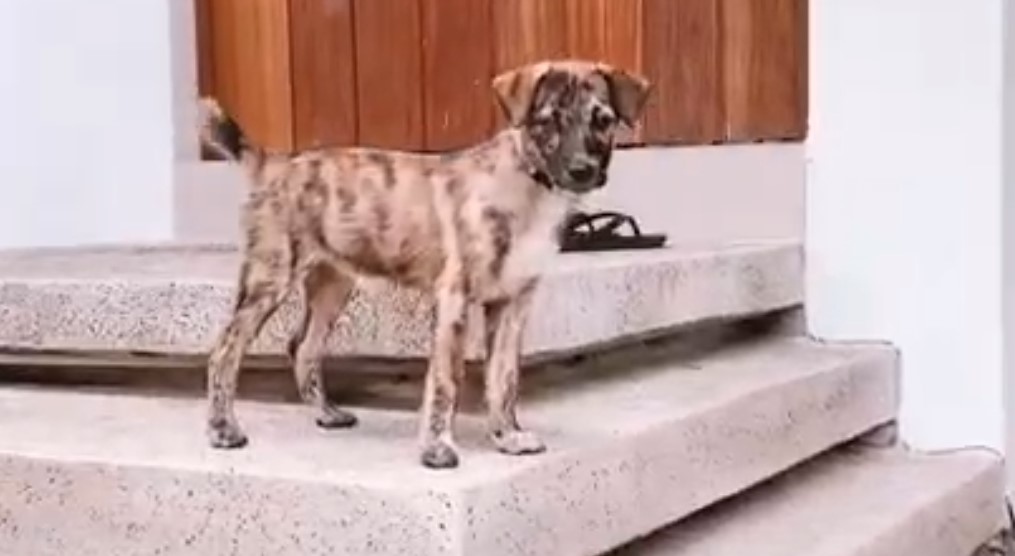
column 637, row 439
column 852, row 502
column 175, row 300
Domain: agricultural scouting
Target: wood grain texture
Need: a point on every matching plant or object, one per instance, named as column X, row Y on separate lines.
column 527, row 31
column 205, row 53
column 415, row 74
column 682, row 59
column 608, row 31
column 585, row 28
column 765, row 69
column 623, row 30
column 324, row 73
column 252, row 73
column 458, row 70
column 389, row 73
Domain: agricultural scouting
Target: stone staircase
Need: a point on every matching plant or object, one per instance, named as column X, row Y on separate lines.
column 685, row 409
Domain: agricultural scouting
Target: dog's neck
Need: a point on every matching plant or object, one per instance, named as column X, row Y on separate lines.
column 529, row 159
column 534, row 164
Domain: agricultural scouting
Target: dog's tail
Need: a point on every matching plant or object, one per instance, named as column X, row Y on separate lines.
column 221, row 135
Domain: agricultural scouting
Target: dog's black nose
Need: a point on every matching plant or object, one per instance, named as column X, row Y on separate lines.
column 581, row 172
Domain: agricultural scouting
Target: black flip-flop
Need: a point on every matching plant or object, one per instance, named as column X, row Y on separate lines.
column 580, row 233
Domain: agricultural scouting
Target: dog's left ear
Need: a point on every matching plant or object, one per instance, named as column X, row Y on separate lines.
column 516, row 88
column 628, row 92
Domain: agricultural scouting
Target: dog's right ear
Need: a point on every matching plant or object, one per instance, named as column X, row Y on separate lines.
column 516, row 88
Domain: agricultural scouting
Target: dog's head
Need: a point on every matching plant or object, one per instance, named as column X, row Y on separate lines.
column 571, row 111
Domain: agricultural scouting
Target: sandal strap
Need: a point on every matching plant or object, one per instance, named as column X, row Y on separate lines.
column 619, row 220
column 615, row 220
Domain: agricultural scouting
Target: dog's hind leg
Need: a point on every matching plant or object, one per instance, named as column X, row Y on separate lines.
column 505, row 323
column 263, row 284
column 326, row 292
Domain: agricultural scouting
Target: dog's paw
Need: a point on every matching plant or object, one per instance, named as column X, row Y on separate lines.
column 334, row 417
column 439, row 455
column 225, row 435
column 518, row 442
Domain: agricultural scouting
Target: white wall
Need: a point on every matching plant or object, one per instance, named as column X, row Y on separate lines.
column 86, row 121
column 1008, row 225
column 904, row 208
column 711, row 194
column 683, row 192
column 96, row 143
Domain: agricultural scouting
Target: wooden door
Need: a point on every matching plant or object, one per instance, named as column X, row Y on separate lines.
column 415, row 74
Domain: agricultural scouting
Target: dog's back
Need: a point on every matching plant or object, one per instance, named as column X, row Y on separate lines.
column 395, row 214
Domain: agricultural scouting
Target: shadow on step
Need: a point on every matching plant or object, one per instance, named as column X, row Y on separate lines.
column 389, row 384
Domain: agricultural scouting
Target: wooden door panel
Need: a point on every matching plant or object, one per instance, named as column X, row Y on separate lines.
column 323, row 73
column 608, row 31
column 586, row 28
column 415, row 74
column 527, row 31
column 682, row 58
column 458, row 70
column 389, row 73
column 205, row 53
column 250, row 48
column 765, row 61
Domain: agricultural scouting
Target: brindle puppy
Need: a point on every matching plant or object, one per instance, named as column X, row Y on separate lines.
column 469, row 227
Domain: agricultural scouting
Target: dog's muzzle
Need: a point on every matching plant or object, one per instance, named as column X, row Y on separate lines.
column 582, row 172
column 584, row 176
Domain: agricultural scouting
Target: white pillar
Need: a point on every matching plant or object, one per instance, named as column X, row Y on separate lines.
column 904, row 210
column 86, row 121
column 1008, row 227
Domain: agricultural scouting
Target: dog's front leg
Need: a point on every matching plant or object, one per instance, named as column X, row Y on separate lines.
column 505, row 323
column 447, row 368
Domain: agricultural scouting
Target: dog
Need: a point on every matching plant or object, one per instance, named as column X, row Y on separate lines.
column 472, row 228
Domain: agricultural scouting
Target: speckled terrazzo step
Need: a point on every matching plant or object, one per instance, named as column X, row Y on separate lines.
column 174, row 299
column 639, row 443
column 851, row 502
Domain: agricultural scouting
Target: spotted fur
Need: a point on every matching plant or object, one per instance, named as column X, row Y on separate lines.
column 471, row 227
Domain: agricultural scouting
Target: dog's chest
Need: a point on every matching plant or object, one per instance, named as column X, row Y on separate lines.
column 529, row 249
